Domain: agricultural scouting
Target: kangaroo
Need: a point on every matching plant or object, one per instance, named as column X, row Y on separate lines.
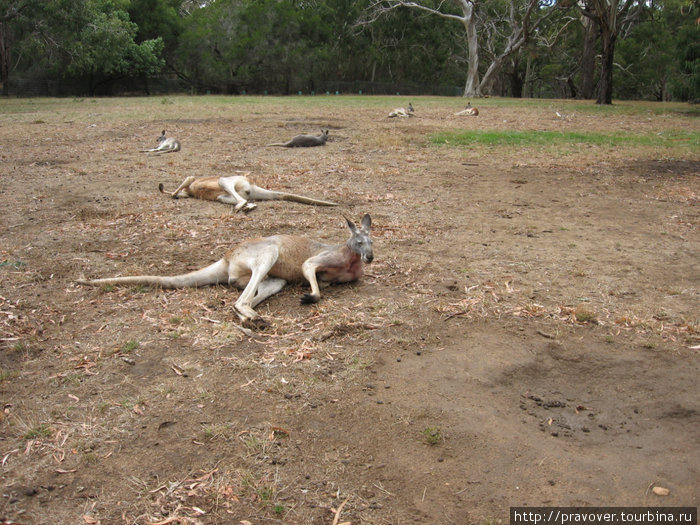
column 262, row 266
column 165, row 145
column 304, row 141
column 236, row 190
column 469, row 110
column 402, row 112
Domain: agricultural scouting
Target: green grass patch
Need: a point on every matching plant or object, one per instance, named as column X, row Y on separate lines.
column 557, row 138
column 7, row 375
column 15, row 265
column 38, row 432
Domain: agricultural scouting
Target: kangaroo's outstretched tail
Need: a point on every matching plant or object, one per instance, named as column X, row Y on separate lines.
column 216, row 273
column 305, row 200
column 258, row 193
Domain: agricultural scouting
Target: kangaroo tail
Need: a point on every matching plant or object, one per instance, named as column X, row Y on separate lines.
column 262, row 194
column 305, row 200
column 282, row 144
column 216, row 273
column 161, row 188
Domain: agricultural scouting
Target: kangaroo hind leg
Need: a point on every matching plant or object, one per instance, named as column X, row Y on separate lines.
column 268, row 288
column 228, row 184
column 185, row 184
column 256, row 261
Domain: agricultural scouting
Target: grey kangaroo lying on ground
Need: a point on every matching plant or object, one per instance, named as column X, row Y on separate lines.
column 165, row 145
column 304, row 141
column 469, row 110
column 237, row 190
column 262, row 266
column 402, row 112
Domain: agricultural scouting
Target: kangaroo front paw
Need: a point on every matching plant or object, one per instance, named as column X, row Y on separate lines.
column 308, row 298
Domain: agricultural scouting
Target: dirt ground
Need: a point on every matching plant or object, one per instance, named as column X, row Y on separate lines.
column 527, row 334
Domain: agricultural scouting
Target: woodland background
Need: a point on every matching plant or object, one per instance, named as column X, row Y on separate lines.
column 586, row 49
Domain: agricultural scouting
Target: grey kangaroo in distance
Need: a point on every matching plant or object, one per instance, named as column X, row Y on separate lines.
column 402, row 112
column 237, row 190
column 262, row 266
column 469, row 110
column 304, row 141
column 165, row 145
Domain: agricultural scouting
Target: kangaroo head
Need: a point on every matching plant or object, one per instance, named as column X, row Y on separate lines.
column 410, row 107
column 161, row 138
column 360, row 242
column 324, row 134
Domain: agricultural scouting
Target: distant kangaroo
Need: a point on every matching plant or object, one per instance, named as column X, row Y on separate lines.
column 237, row 190
column 402, row 112
column 262, row 266
column 304, row 141
column 165, row 145
column 469, row 110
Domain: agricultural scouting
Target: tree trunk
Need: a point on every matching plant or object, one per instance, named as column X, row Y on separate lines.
column 4, row 59
column 471, row 89
column 527, row 88
column 590, row 29
column 490, row 75
column 605, row 86
column 516, row 81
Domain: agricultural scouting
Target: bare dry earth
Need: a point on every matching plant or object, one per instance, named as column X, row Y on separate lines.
column 527, row 335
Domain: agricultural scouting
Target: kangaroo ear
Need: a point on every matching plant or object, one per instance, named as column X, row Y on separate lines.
column 351, row 225
column 366, row 222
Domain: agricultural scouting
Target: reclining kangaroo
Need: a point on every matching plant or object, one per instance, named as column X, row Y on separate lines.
column 237, row 190
column 469, row 110
column 165, row 145
column 262, row 266
column 304, row 141
column 402, row 112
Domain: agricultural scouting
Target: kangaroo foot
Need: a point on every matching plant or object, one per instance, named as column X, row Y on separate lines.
column 308, row 298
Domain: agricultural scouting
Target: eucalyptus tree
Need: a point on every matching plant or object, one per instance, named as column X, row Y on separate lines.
column 460, row 11
column 612, row 17
column 509, row 22
column 509, row 26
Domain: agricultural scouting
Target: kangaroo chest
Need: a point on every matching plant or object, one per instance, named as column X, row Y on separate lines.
column 345, row 271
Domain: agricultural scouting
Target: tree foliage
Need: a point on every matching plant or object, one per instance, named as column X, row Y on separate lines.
column 563, row 48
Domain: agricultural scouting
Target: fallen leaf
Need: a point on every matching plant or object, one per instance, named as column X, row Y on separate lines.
column 661, row 491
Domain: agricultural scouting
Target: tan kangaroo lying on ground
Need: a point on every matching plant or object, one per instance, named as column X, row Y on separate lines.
column 165, row 145
column 402, row 112
column 304, row 141
column 469, row 110
column 262, row 266
column 237, row 190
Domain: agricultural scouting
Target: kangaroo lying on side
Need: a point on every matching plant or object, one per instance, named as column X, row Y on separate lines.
column 165, row 145
column 402, row 112
column 469, row 110
column 304, row 141
column 237, row 190
column 262, row 266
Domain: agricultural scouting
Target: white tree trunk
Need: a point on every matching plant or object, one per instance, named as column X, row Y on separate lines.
column 471, row 89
